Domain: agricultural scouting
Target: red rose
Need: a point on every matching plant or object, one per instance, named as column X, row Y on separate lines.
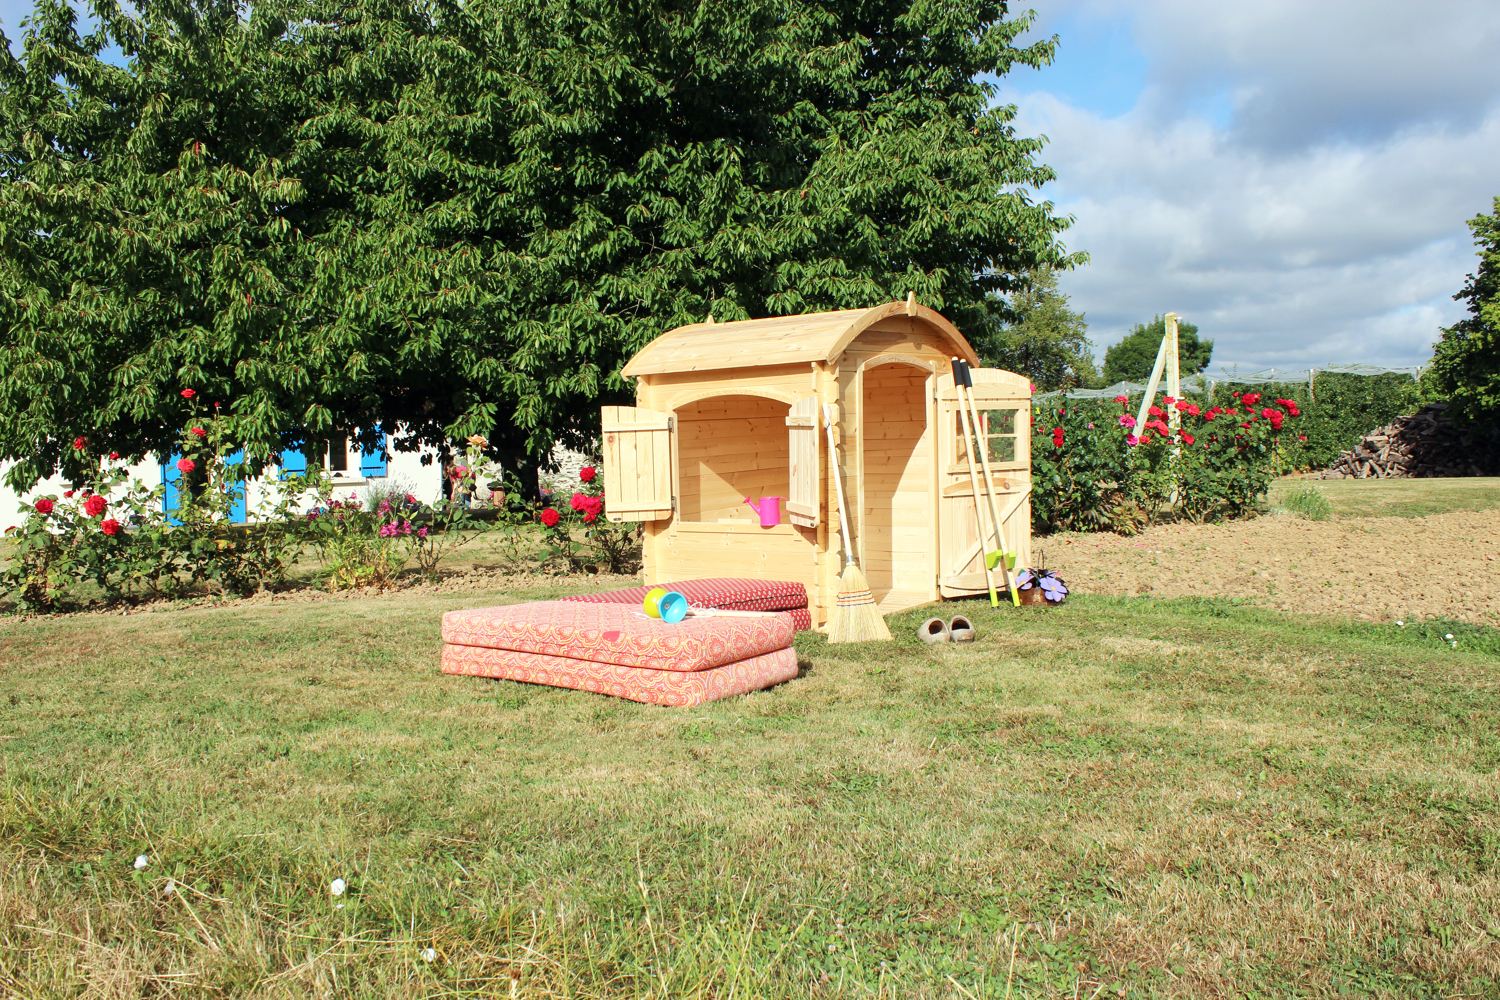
column 200, row 432
column 1301, row 437
column 593, row 505
column 185, row 465
column 1187, row 438
column 1155, row 411
column 110, row 527
column 44, row 506
column 94, row 505
column 1122, row 399
column 577, row 502
column 1243, row 425
column 590, row 517
column 587, row 473
column 78, row 443
column 1251, row 398
column 550, row 517
column 114, row 455
column 188, row 394
column 68, row 493
column 1209, row 416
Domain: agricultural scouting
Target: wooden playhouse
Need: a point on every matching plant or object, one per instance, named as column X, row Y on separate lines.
column 729, row 411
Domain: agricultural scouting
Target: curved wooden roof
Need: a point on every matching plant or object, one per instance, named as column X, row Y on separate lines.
column 779, row 340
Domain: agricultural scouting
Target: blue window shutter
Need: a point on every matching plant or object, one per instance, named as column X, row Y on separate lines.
column 292, row 462
column 372, row 463
column 237, row 510
column 170, row 477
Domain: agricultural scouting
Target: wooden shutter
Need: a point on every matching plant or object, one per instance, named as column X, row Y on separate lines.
column 372, row 463
column 803, row 433
column 637, row 464
column 293, row 462
column 171, row 480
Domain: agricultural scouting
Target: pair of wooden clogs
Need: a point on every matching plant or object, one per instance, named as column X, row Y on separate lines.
column 956, row 629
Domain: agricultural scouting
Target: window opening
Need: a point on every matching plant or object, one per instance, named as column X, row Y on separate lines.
column 997, row 428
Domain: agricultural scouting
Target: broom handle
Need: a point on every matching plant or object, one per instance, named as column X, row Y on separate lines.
column 989, row 576
column 989, row 490
column 838, row 485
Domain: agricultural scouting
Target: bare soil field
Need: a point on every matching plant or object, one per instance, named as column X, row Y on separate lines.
column 1442, row 559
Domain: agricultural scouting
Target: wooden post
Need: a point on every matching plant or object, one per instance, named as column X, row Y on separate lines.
column 1174, row 373
column 1153, row 382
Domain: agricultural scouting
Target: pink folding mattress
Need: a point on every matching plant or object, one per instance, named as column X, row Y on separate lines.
column 615, row 649
column 731, row 593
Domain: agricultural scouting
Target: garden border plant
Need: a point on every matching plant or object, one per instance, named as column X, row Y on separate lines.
column 1102, row 472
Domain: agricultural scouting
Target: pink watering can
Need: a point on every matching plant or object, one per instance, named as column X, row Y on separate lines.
column 769, row 509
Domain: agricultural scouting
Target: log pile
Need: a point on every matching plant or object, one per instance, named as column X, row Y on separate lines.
column 1425, row 444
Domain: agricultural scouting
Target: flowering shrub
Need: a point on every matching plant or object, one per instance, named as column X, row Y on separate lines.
column 1101, row 471
column 582, row 536
column 112, row 532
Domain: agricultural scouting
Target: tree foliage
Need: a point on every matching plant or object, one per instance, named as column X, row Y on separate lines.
column 1047, row 342
column 463, row 218
column 1466, row 361
column 1132, row 358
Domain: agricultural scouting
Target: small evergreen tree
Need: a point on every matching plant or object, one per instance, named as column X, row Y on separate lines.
column 1466, row 361
column 1132, row 358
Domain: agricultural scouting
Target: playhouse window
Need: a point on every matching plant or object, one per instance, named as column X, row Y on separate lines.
column 997, row 428
column 730, row 448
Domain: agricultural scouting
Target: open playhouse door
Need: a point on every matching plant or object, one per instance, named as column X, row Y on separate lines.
column 1004, row 403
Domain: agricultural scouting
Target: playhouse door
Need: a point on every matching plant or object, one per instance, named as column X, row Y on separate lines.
column 1003, row 400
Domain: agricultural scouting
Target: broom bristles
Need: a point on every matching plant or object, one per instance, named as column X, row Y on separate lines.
column 855, row 616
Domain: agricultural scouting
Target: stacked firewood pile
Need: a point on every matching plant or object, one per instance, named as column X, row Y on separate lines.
column 1425, row 444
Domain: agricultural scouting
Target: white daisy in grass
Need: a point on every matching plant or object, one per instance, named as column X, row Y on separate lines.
column 337, row 887
column 141, row 861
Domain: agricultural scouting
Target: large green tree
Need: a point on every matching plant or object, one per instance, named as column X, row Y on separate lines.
column 1045, row 340
column 1133, row 357
column 1466, row 361
column 452, row 218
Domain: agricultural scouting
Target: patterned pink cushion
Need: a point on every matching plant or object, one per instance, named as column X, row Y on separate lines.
column 660, row 687
column 618, row 633
column 715, row 592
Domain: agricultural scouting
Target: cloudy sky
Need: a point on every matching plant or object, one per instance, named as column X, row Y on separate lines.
column 1293, row 177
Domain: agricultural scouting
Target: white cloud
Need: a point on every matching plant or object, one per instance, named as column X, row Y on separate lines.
column 1321, row 220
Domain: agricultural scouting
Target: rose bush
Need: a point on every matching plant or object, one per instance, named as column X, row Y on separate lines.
column 582, row 537
column 1100, row 472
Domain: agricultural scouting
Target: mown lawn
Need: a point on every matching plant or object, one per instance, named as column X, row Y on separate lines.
column 1112, row 798
column 1397, row 497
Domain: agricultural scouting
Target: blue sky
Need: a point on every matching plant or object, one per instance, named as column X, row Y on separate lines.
column 1292, row 177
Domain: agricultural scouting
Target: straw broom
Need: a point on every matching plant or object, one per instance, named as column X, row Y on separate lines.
column 855, row 617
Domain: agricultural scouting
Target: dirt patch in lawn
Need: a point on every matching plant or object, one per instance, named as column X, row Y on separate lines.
column 1379, row 568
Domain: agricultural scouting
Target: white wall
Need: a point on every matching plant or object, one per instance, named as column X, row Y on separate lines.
column 425, row 482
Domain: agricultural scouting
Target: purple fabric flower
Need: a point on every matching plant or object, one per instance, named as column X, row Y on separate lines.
column 1053, row 589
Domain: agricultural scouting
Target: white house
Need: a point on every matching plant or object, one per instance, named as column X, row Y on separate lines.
column 344, row 460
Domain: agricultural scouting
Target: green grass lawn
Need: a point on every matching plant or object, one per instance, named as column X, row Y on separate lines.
column 1398, row 497
column 1111, row 798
